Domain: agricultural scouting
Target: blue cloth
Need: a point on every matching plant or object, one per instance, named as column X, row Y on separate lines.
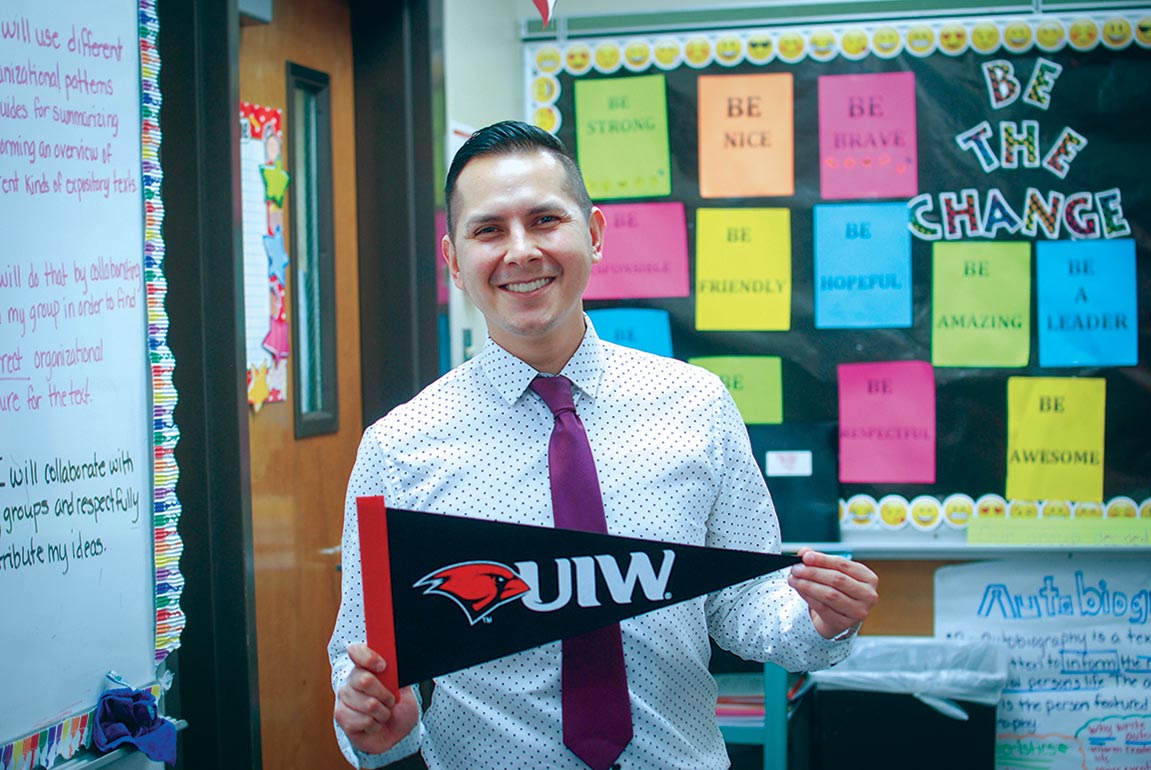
column 125, row 715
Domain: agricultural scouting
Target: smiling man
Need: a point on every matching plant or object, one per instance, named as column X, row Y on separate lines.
column 672, row 462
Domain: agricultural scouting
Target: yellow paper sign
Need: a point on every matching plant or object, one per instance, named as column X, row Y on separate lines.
column 981, row 304
column 746, row 136
column 754, row 383
column 1055, row 438
column 743, row 270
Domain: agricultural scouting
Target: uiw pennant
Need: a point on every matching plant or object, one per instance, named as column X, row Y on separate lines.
column 442, row 593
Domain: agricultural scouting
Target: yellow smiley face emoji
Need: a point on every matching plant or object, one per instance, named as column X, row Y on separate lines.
column 953, row 39
column 759, row 49
column 697, row 52
column 893, row 512
column 1089, row 510
column 1017, row 36
column 1122, row 508
column 547, row 118
column 854, row 44
column 607, row 57
column 1145, row 509
column 548, row 59
column 886, row 42
column 728, row 50
column 957, row 510
column 1083, row 34
column 545, row 89
column 860, row 511
column 1143, row 32
column 637, row 55
column 920, row 40
column 925, row 512
column 1116, row 33
column 1057, row 509
column 791, row 47
column 578, row 59
column 991, row 507
column 822, row 45
column 1024, row 509
column 985, row 37
column 1049, row 35
column 667, row 53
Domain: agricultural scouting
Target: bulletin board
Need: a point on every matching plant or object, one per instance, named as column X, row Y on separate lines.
column 89, row 553
column 917, row 250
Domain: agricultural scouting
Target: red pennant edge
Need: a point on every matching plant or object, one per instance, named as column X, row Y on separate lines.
column 376, row 574
column 545, row 11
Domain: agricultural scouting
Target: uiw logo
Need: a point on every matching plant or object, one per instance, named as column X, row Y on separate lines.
column 479, row 587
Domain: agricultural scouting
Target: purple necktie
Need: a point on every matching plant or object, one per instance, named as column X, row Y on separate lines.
column 596, row 711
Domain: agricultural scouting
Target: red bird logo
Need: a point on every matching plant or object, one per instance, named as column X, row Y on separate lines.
column 478, row 587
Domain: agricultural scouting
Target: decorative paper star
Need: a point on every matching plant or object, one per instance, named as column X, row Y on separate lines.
column 258, row 389
column 277, row 256
column 275, row 182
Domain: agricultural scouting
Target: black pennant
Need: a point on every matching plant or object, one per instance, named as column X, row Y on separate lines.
column 442, row 593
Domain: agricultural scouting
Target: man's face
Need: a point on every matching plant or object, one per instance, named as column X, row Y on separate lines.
column 522, row 250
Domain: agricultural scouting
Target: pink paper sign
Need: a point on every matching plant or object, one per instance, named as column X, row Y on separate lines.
column 887, row 422
column 867, row 143
column 644, row 253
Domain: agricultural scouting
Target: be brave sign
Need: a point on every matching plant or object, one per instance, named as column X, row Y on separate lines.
column 867, row 139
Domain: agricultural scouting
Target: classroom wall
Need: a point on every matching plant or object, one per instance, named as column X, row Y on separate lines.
column 483, row 66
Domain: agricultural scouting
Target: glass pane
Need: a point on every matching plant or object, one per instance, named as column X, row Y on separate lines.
column 306, row 243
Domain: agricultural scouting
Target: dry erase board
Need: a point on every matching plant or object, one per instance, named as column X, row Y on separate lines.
column 932, row 233
column 88, row 551
column 1075, row 632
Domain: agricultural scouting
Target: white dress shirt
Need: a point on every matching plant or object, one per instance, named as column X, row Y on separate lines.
column 674, row 464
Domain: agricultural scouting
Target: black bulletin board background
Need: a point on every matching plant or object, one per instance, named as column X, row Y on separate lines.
column 1103, row 94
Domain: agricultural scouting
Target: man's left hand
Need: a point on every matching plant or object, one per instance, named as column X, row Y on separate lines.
column 839, row 592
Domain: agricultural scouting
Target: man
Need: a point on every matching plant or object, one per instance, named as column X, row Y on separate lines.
column 673, row 461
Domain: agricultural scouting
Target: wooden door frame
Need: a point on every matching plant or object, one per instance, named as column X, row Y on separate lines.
column 397, row 49
column 215, row 688
column 216, row 684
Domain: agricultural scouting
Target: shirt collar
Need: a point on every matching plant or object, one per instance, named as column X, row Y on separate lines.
column 511, row 376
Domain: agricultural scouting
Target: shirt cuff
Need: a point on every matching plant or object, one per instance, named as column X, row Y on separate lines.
column 843, row 636
column 409, row 745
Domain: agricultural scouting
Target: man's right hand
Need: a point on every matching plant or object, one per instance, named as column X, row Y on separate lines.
column 372, row 717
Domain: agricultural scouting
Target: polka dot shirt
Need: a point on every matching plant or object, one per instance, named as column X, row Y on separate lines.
column 674, row 464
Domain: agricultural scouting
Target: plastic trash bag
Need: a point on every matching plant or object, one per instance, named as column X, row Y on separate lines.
column 936, row 671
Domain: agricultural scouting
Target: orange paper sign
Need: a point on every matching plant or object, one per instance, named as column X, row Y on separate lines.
column 746, row 136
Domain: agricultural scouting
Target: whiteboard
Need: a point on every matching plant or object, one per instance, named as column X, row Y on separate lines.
column 77, row 579
column 1076, row 631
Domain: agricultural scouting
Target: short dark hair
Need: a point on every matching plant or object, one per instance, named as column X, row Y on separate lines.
column 510, row 137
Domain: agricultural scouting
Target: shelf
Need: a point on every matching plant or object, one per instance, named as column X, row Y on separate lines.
column 743, row 734
column 908, row 550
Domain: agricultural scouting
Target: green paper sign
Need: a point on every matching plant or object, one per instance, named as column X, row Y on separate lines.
column 621, row 137
column 755, row 384
column 981, row 304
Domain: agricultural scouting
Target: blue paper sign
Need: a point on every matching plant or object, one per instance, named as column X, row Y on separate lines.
column 1087, row 303
column 646, row 329
column 862, row 266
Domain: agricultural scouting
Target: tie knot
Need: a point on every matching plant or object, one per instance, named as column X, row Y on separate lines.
column 556, row 393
